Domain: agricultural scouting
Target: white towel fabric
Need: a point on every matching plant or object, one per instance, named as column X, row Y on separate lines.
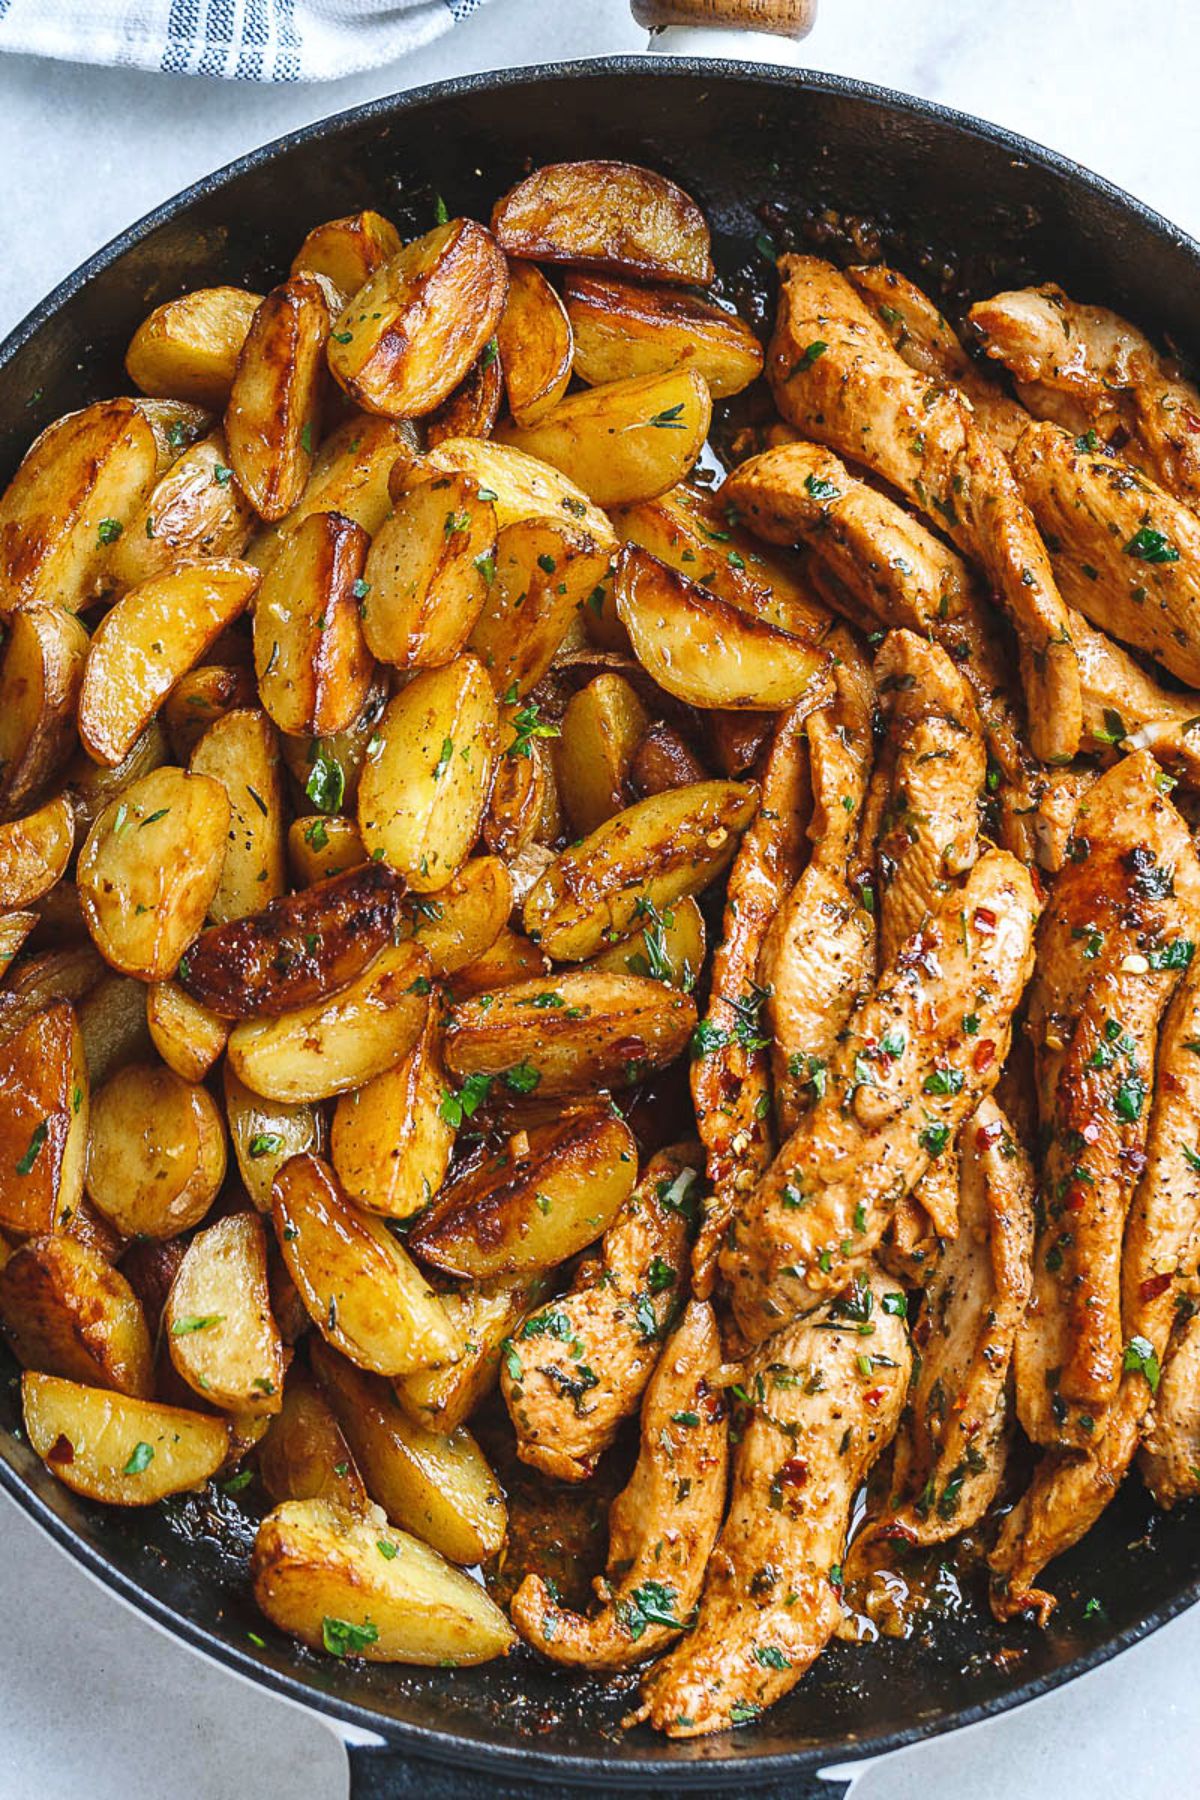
column 242, row 40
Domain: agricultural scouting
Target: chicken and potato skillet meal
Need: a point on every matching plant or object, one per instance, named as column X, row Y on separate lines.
column 537, row 959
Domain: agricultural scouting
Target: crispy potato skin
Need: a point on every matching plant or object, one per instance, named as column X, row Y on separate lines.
column 304, row 1455
column 40, row 678
column 275, row 399
column 535, row 342
column 298, row 949
column 43, row 1119
column 348, row 251
column 611, row 216
column 621, row 330
column 312, row 665
column 66, row 1312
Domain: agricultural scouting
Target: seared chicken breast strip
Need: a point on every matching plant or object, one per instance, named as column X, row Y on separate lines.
column 837, row 378
column 1170, row 1458
column 824, row 1398
column 1119, row 697
column 577, row 1367
column 1120, row 927
column 662, row 1525
column 918, row 1055
column 1125, row 552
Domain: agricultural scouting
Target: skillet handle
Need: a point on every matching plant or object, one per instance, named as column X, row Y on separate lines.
column 386, row 1773
column 779, row 18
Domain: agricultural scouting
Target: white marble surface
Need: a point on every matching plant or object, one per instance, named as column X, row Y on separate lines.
column 95, row 1702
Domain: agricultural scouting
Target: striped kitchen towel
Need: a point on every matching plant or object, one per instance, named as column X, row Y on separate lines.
column 242, row 40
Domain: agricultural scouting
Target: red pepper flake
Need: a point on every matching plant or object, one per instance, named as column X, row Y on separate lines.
column 794, row 1472
column 985, row 920
column 1151, row 1289
column 873, row 1396
column 1189, row 418
column 904, row 1533
column 991, row 1133
column 985, row 1055
column 62, row 1450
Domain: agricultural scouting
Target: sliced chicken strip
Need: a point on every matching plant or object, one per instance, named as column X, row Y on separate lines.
column 919, row 1054
column 1071, row 1489
column 825, row 1398
column 1058, row 808
column 1119, row 929
column 1125, row 552
column 818, row 955
column 1107, row 368
column 1119, row 697
column 928, row 343
column 730, row 1072
column 1170, row 1459
column 577, row 1367
column 662, row 1525
column 836, row 377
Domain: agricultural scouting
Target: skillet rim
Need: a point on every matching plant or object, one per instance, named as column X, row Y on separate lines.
column 694, row 1773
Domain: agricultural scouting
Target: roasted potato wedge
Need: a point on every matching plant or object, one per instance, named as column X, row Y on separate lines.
column 321, row 846
column 327, row 770
column 320, row 1574
column 312, row 665
column 536, row 348
column 304, row 1455
column 176, row 425
column 669, row 947
column 267, row 1133
column 543, row 572
column 298, row 949
column 347, row 251
column 43, row 1120
column 218, row 1322
column 339, row 1042
column 427, row 574
column 531, row 1205
column 199, row 699
column 76, row 490
column 425, row 787
column 363, row 1291
column 460, row 922
column 521, row 487
column 156, row 1151
column 439, row 1487
column 602, row 727
column 241, row 751
column 40, row 675
column 523, row 776
column 474, row 406
column 189, row 1037
column 187, row 349
column 65, row 1312
column 702, row 649
column 150, row 868
column 625, row 441
column 274, row 409
column 349, row 476
column 113, row 1025
column 67, row 973
column 612, row 216
column 484, row 1314
column 34, row 852
column 661, row 850
column 118, row 1449
column 91, row 786
column 412, row 331
column 621, row 331
column 154, row 634
column 195, row 511
column 571, row 1033
column 14, row 929
column 390, row 1143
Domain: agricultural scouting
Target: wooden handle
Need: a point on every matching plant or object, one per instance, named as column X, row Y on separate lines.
column 784, row 18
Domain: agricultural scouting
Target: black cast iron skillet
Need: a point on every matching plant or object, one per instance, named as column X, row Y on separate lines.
column 961, row 205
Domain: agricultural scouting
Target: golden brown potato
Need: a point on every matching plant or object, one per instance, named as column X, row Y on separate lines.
column 113, row 1026
column 621, row 331
column 339, row 1042
column 349, row 476
column 548, row 1194
column 570, row 1033
column 218, row 1323
column 601, row 730
column 474, row 406
column 702, row 649
column 187, row 349
column 14, row 929
column 156, row 1151
column 320, row 847
column 304, row 1455
column 176, row 425
column 362, row 1290
column 439, row 1487
column 347, row 251
column 154, row 634
column 90, row 786
column 67, row 973
column 523, row 774
column 199, row 699
column 150, row 867
column 241, row 751
column 43, row 1120
column 66, row 1312
column 428, row 571
column 194, row 511
column 274, row 410
column 390, row 1143
column 327, row 770
column 534, row 337
column 484, row 1314
column 265, row 1134
column 189, row 1037
column 412, row 331
column 354, row 1588
column 117, row 1449
column 612, row 216
column 461, row 921
column 312, row 665
column 626, row 441
column 426, row 783
column 77, row 488
column 520, row 487
column 543, row 572
column 40, row 674
column 298, row 949
column 659, row 851
column 669, row 947
column 34, row 852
